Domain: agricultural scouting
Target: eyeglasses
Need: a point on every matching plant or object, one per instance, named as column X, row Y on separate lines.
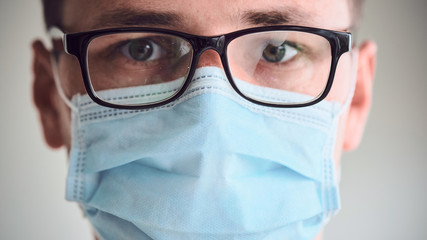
column 275, row 66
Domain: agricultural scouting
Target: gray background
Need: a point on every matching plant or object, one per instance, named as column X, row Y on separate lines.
column 384, row 192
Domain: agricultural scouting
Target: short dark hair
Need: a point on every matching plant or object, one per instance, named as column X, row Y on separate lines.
column 53, row 12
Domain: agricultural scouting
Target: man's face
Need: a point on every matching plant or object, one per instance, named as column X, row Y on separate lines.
column 204, row 18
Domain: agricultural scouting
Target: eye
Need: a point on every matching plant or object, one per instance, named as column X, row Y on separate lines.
column 142, row 50
column 278, row 54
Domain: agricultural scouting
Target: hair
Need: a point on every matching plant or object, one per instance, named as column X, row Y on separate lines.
column 53, row 12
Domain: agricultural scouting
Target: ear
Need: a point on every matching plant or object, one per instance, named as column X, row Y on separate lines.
column 44, row 91
column 361, row 102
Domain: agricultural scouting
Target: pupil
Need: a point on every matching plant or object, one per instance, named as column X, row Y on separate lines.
column 273, row 51
column 274, row 54
column 140, row 49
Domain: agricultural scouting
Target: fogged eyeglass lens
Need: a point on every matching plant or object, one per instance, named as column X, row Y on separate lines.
column 143, row 67
column 280, row 67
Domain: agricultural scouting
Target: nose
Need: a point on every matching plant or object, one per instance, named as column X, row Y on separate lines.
column 209, row 58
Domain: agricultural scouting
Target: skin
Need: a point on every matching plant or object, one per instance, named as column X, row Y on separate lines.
column 203, row 17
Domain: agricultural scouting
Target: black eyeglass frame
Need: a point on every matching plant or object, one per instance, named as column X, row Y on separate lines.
column 77, row 44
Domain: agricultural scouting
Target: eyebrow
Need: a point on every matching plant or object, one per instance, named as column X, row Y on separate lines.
column 131, row 17
column 273, row 17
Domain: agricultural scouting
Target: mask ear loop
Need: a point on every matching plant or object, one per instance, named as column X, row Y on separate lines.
column 58, row 85
column 337, row 170
column 354, row 56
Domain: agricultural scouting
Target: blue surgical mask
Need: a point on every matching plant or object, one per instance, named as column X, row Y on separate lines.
column 208, row 166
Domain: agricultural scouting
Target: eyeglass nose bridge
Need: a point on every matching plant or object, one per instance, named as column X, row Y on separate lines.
column 202, row 44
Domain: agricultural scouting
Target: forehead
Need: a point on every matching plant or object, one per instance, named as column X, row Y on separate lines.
column 206, row 17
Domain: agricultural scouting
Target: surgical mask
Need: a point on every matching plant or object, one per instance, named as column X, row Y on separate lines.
column 209, row 165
